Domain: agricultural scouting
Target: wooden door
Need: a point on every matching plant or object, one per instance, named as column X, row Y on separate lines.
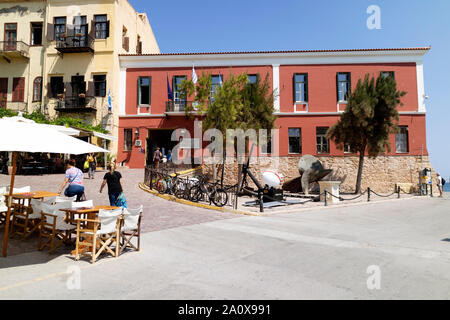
column 3, row 92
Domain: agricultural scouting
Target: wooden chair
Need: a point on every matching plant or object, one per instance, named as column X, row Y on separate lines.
column 130, row 228
column 99, row 235
column 53, row 227
column 82, row 204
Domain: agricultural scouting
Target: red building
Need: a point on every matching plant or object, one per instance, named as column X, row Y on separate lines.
column 312, row 87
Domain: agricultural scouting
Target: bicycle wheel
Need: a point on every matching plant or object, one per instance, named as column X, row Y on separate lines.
column 195, row 194
column 219, row 197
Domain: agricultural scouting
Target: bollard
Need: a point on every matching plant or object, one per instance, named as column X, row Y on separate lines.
column 326, row 198
column 431, row 190
column 398, row 191
column 368, row 194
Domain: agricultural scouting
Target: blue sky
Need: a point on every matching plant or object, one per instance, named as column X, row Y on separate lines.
column 246, row 25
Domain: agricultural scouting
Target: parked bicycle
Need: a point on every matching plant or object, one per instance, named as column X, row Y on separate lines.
column 204, row 191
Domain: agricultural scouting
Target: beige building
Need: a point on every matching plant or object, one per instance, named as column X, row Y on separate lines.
column 62, row 57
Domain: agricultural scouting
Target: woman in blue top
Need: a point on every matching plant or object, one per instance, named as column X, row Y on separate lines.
column 74, row 177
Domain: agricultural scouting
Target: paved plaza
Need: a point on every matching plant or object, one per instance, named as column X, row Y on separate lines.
column 383, row 250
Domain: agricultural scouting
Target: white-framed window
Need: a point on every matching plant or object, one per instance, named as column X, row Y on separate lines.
column 300, row 87
column 343, row 86
column 323, row 144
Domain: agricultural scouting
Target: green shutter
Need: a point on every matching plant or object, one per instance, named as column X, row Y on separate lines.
column 306, row 87
column 139, row 91
column 150, row 90
column 337, row 86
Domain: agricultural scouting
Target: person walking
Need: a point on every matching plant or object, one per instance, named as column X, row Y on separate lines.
column 157, row 157
column 440, row 185
column 112, row 179
column 92, row 159
column 74, row 177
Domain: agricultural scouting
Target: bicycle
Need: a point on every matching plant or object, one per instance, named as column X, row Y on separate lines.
column 203, row 191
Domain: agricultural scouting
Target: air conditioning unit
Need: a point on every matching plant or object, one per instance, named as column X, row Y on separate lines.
column 138, row 143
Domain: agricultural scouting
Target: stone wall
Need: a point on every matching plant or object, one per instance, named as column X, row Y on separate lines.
column 380, row 174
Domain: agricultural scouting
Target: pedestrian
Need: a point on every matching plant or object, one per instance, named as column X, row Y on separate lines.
column 157, row 157
column 440, row 185
column 91, row 159
column 169, row 156
column 113, row 179
column 74, row 177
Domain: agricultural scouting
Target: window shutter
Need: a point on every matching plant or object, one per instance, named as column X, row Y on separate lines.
column 92, row 32
column 91, row 89
column 21, row 90
column 349, row 85
column 149, row 90
column 139, row 91
column 126, row 43
column 337, row 86
column 83, row 87
column 50, row 32
column 306, row 87
column 68, row 89
column 107, row 29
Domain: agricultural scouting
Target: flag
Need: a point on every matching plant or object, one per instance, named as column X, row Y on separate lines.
column 109, row 101
column 194, row 76
column 169, row 91
column 220, row 79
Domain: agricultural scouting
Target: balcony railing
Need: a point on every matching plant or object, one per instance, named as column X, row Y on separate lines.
column 76, row 104
column 180, row 106
column 76, row 43
column 14, row 49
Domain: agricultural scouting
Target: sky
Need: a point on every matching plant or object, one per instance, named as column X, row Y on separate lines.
column 250, row 25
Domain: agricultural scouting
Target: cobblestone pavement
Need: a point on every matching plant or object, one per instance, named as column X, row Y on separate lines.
column 159, row 214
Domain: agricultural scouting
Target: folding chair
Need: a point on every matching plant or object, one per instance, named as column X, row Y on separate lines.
column 82, row 204
column 65, row 199
column 53, row 227
column 95, row 240
column 130, row 228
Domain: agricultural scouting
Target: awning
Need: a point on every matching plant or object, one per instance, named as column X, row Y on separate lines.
column 104, row 136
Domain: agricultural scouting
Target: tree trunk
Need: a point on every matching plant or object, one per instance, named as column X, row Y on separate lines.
column 360, row 169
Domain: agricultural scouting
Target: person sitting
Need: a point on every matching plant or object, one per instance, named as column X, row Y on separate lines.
column 74, row 177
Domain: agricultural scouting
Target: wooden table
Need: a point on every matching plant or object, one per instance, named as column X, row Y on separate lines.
column 22, row 210
column 33, row 195
column 90, row 213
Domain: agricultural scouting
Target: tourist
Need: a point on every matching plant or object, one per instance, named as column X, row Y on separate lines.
column 157, row 157
column 92, row 160
column 169, row 156
column 115, row 189
column 74, row 177
column 439, row 184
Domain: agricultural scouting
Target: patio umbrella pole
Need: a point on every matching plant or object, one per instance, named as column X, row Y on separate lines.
column 8, row 214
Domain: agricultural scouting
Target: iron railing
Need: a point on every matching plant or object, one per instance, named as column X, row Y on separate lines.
column 15, row 46
column 76, row 43
column 181, row 106
column 77, row 103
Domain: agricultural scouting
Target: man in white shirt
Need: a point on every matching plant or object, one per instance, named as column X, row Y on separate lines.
column 439, row 184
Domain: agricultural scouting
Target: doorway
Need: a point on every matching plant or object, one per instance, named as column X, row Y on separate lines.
column 159, row 138
column 3, row 92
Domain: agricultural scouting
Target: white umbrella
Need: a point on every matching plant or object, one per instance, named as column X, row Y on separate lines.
column 25, row 136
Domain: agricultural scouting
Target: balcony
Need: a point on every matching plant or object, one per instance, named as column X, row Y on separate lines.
column 181, row 106
column 76, row 104
column 75, row 44
column 14, row 49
